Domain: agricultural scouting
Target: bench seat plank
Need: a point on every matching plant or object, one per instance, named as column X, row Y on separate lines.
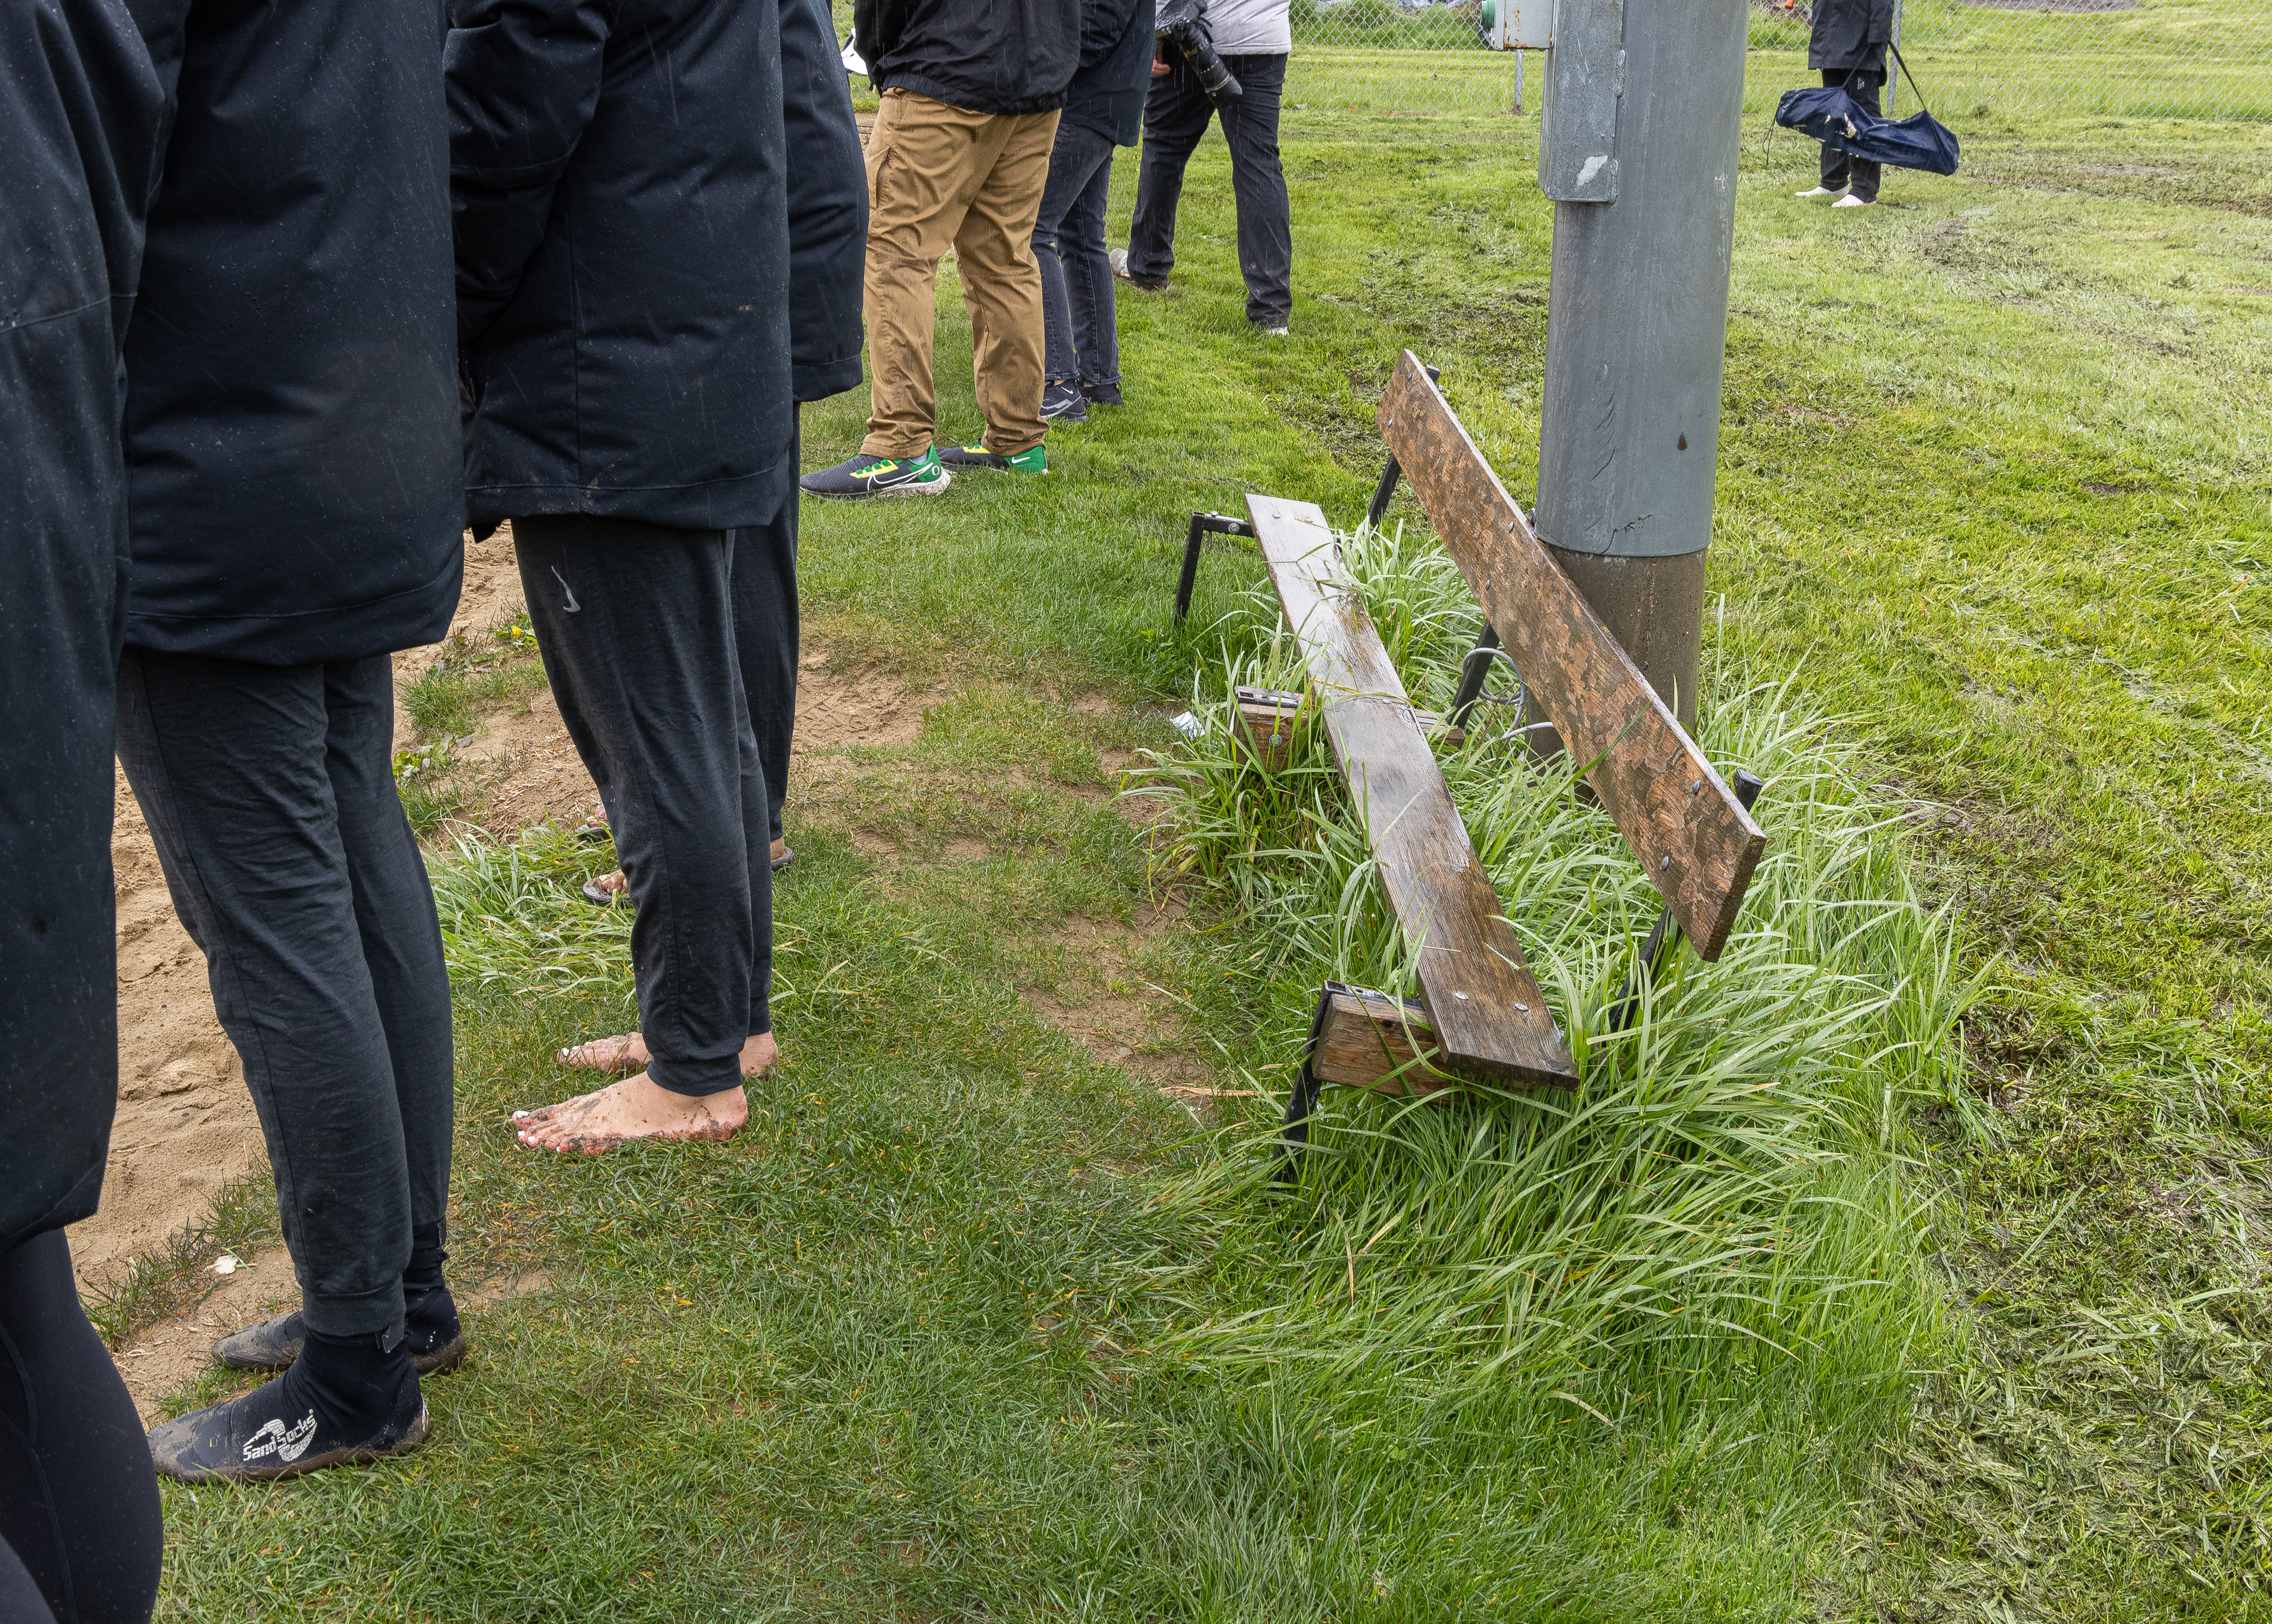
column 1698, row 844
column 1485, row 1008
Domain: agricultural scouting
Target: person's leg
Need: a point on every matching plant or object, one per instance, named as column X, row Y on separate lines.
column 921, row 155
column 1866, row 174
column 1002, row 286
column 402, row 947
column 1835, row 175
column 229, row 763
column 1176, row 114
column 78, row 1507
column 635, row 624
column 1265, row 218
column 1058, row 196
column 1088, row 277
column 766, row 643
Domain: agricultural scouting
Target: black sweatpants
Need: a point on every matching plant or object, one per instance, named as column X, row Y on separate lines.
column 765, row 638
column 1859, row 175
column 270, row 795
column 636, row 624
column 1176, row 114
column 80, row 1539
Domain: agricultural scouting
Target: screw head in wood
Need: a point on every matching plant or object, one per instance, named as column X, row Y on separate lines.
column 1524, row 1008
column 1667, row 863
column 1462, row 997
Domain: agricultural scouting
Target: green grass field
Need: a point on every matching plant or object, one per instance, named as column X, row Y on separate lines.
column 973, row 1324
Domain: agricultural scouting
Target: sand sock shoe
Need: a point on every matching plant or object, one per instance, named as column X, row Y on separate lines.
column 345, row 1400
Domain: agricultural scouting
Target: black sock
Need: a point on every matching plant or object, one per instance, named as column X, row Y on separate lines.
column 364, row 1381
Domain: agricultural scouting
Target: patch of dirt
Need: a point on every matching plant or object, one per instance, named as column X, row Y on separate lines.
column 175, row 1351
column 1105, row 1003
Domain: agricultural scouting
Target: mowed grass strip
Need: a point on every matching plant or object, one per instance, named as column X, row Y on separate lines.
column 935, row 1253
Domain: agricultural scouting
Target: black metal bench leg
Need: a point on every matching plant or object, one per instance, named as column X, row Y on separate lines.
column 1296, row 1132
column 1472, row 673
column 1748, row 785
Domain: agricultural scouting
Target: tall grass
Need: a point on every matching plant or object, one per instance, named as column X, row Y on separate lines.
column 1725, row 1190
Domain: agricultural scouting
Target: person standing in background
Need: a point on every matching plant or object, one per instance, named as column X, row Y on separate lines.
column 957, row 158
column 1104, row 109
column 618, row 177
column 80, row 1535
column 828, row 239
column 1253, row 38
column 1848, row 46
column 293, row 490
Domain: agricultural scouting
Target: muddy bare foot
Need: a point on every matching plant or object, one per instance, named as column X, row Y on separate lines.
column 627, row 1052
column 595, row 1123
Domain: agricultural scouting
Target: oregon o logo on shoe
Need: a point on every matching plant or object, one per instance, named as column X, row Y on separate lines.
column 287, row 1445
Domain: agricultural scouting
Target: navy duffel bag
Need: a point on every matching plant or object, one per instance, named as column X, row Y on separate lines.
column 1836, row 119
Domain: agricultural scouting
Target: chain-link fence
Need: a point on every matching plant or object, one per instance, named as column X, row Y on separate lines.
column 1973, row 58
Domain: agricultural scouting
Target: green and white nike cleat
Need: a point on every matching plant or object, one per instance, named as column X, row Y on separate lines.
column 1033, row 459
column 880, row 476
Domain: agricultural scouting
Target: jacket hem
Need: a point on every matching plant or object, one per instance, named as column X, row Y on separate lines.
column 818, row 380
column 743, row 500
column 398, row 620
column 954, row 96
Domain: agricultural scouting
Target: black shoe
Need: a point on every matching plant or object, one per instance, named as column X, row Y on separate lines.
column 343, row 1401
column 431, row 1329
column 1064, row 403
column 879, row 476
column 1102, row 394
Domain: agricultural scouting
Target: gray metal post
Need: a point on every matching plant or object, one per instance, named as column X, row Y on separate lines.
column 1637, row 318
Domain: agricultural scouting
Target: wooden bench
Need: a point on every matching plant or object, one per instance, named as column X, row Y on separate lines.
column 1479, row 1013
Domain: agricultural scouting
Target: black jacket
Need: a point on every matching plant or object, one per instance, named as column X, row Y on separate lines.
column 291, row 423
column 827, row 204
column 1108, row 90
column 617, row 168
column 983, row 55
column 1850, row 33
column 79, row 129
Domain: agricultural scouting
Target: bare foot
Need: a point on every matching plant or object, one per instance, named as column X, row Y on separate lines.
column 635, row 1108
column 627, row 1051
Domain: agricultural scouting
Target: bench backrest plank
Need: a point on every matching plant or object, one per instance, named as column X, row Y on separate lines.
column 1685, row 824
column 1485, row 1008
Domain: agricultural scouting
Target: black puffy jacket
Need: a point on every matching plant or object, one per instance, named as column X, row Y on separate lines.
column 80, row 128
column 291, row 421
column 983, row 55
column 1850, row 34
column 617, row 168
column 1107, row 93
column 827, row 204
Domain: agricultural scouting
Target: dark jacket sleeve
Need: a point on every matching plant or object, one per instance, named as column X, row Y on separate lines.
column 827, row 204
column 523, row 79
column 877, row 26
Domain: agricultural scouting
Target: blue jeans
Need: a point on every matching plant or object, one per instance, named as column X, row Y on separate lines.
column 1079, row 339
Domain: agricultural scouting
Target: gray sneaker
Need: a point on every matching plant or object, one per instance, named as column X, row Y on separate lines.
column 880, row 476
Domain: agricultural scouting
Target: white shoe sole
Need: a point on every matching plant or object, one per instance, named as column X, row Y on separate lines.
column 927, row 487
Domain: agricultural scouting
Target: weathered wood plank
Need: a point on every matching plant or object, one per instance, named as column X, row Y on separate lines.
column 1367, row 1042
column 1686, row 825
column 1479, row 995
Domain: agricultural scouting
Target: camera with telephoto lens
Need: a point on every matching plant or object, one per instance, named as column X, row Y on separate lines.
column 1183, row 25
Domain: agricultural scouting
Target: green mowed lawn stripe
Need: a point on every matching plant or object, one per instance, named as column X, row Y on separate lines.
column 933, row 1255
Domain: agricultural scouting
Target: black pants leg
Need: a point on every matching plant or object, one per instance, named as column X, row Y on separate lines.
column 80, row 1537
column 1266, row 217
column 636, row 625
column 1860, row 174
column 1176, row 114
column 270, row 795
column 765, row 638
column 1080, row 157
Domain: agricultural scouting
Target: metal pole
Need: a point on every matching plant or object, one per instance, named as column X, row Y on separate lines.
column 1637, row 327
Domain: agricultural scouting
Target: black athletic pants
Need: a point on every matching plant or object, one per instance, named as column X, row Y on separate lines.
column 765, row 636
column 1176, row 114
column 636, row 624
column 270, row 795
column 80, row 1540
column 1840, row 168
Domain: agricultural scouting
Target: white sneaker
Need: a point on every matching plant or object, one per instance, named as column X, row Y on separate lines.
column 1118, row 258
column 1818, row 191
column 1274, row 332
column 1849, row 201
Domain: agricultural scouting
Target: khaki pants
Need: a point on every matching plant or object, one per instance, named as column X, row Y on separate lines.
column 939, row 175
